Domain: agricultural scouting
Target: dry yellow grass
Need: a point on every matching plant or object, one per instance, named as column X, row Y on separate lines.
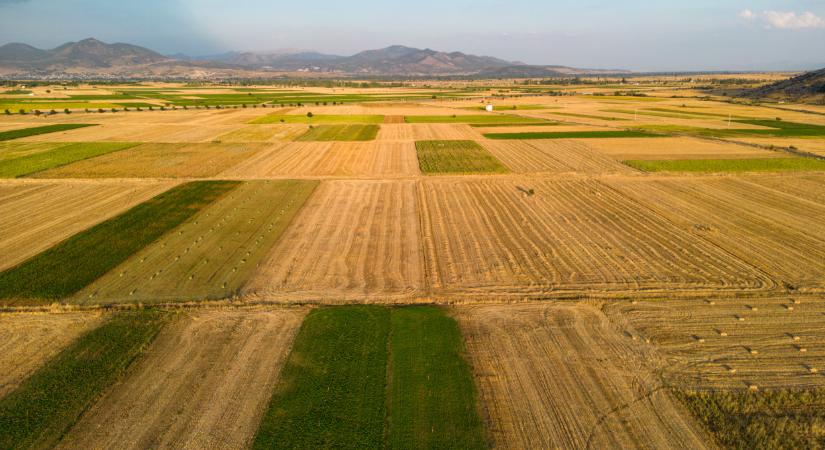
column 560, row 376
column 129, row 131
column 677, row 148
column 352, row 240
column 265, row 133
column 36, row 215
column 443, row 131
column 554, row 156
column 204, row 383
column 28, row 340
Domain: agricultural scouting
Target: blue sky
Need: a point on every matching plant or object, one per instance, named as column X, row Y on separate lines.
column 633, row 34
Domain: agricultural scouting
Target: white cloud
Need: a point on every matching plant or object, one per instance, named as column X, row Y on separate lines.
column 785, row 20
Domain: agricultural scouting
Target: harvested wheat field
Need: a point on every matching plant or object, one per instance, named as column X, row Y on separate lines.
column 677, row 148
column 352, row 240
column 560, row 376
column 210, row 256
column 336, row 159
column 204, row 383
column 396, row 132
column 27, row 340
column 734, row 343
column 783, row 235
column 554, row 156
column 808, row 186
column 443, row 132
column 159, row 161
column 34, row 215
column 265, row 133
column 138, row 132
column 494, row 236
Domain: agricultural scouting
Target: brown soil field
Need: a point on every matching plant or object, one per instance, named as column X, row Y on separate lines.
column 265, row 133
column 677, row 148
column 353, row 239
column 554, row 156
column 36, row 215
column 159, row 161
column 306, row 159
column 733, row 343
column 27, row 340
column 781, row 234
column 489, row 236
column 560, row 376
column 210, row 256
column 204, row 383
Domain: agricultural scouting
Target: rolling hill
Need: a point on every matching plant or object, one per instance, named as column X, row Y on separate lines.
column 808, row 87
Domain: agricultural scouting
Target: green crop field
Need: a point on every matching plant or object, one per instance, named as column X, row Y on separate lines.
column 374, row 377
column 74, row 263
column 40, row 411
column 570, row 135
column 729, row 165
column 56, row 157
column 319, row 119
column 340, row 133
column 436, row 157
column 586, row 116
column 472, row 119
column 432, row 397
column 26, row 132
column 792, row 419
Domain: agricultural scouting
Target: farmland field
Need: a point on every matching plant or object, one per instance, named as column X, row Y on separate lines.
column 730, row 165
column 471, row 119
column 570, row 135
column 26, row 132
column 436, row 157
column 340, row 133
column 318, row 119
column 60, row 156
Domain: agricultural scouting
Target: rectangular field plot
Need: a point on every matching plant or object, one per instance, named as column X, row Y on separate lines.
column 571, row 135
column 443, row 132
column 35, row 131
column 35, row 216
column 493, row 236
column 264, row 133
column 123, row 131
column 212, row 254
column 560, row 376
column 734, row 343
column 553, row 156
column 730, row 165
column 353, row 239
column 61, row 155
column 74, row 263
column 159, row 161
column 472, row 119
column 29, row 340
column 344, row 159
column 676, row 148
column 340, row 133
column 370, row 377
column 808, row 186
column 442, row 157
column 204, row 383
column 781, row 234
column 319, row 119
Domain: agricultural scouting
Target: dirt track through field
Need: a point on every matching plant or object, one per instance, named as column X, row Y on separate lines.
column 36, row 215
column 27, row 341
column 559, row 376
column 203, row 384
column 353, row 239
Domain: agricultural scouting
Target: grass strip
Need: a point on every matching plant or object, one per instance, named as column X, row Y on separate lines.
column 331, row 392
column 437, row 157
column 729, row 165
column 40, row 411
column 26, row 132
column 340, row 133
column 570, row 135
column 60, row 156
column 74, row 263
column 319, row 119
column 432, row 395
column 776, row 419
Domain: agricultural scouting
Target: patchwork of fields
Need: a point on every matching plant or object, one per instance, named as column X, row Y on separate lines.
column 596, row 271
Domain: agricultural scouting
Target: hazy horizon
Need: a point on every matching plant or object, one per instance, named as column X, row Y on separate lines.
column 635, row 35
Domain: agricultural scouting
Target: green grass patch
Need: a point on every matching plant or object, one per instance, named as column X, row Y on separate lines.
column 438, row 157
column 374, row 377
column 138, row 105
column 340, row 133
column 432, row 396
column 331, row 392
column 472, row 119
column 60, row 156
column 26, row 132
column 776, row 419
column 571, row 135
column 17, row 92
column 319, row 119
column 43, row 408
column 74, row 263
column 729, row 165
column 781, row 128
column 586, row 116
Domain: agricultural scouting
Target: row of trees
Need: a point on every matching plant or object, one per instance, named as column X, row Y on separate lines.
column 38, row 112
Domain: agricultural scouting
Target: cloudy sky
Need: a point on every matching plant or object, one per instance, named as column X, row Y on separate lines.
column 631, row 34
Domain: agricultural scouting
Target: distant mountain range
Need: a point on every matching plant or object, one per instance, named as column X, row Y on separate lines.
column 91, row 56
